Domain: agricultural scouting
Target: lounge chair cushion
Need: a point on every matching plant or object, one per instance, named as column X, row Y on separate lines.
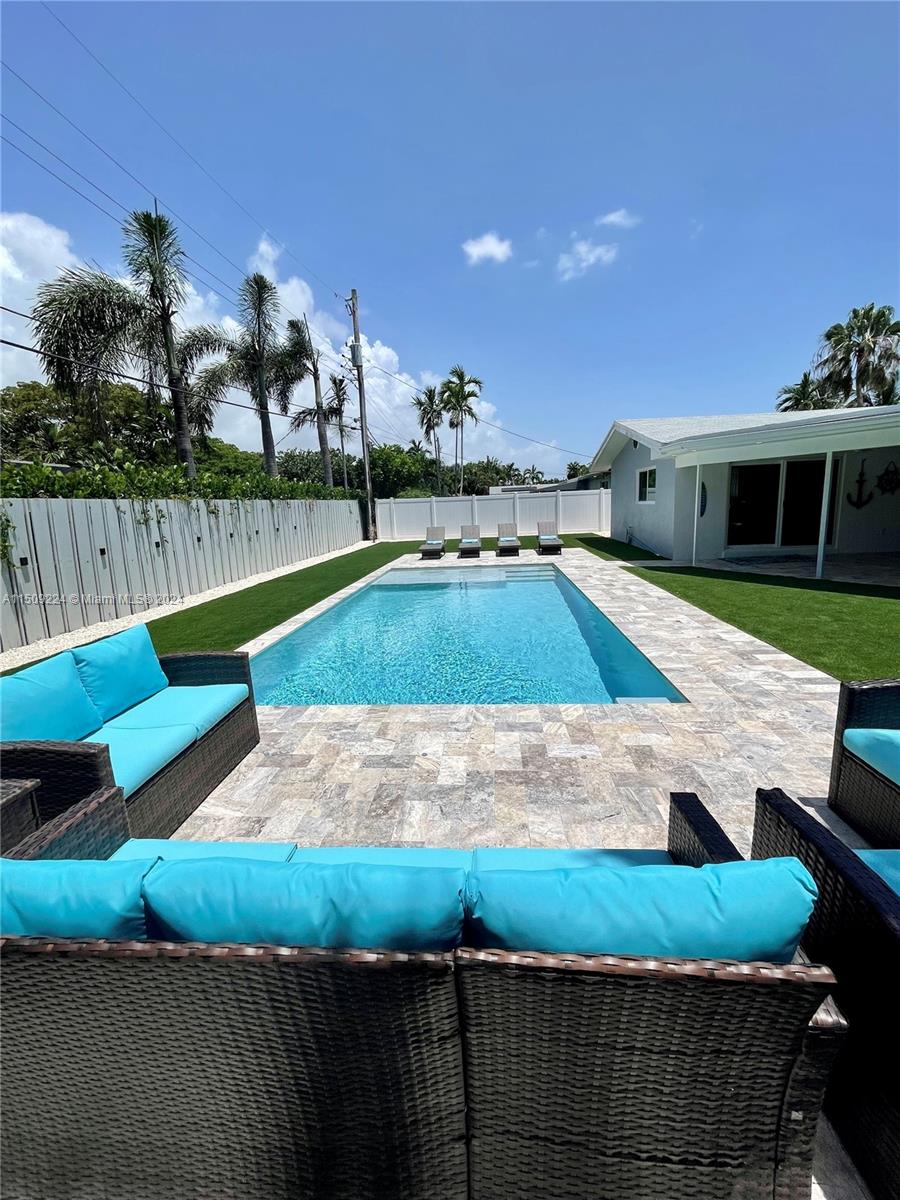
column 46, row 702
column 202, row 706
column 750, row 911
column 469, row 541
column 119, row 671
column 169, row 849
column 385, row 856
column 137, row 754
column 434, row 541
column 880, row 748
column 533, row 858
column 505, row 538
column 307, row 904
column 885, row 863
column 86, row 898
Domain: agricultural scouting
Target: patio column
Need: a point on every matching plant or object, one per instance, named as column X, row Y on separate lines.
column 696, row 514
column 823, row 516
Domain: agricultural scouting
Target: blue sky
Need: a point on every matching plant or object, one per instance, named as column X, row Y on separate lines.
column 746, row 152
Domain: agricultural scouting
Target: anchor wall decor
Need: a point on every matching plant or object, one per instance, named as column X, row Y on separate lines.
column 859, row 502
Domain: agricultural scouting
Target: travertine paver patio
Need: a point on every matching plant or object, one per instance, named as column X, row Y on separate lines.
column 547, row 775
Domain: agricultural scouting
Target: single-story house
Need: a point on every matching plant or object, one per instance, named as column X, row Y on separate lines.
column 760, row 484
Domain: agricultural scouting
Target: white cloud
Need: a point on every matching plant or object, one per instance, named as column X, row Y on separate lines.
column 489, row 247
column 620, row 218
column 583, row 255
column 532, row 263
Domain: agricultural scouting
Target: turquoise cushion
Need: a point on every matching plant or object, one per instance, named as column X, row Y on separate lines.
column 880, row 748
column 751, row 911
column 203, row 707
column 81, row 899
column 469, row 541
column 46, row 702
column 307, row 904
column 532, row 858
column 885, row 863
column 169, row 849
column 120, row 671
column 137, row 754
column 387, row 856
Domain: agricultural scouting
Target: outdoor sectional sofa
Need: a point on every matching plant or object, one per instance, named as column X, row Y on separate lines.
column 855, row 928
column 175, row 1070
column 865, row 769
column 166, row 730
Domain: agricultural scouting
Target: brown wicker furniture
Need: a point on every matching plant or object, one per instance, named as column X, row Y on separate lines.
column 162, row 1071
column 434, row 544
column 507, row 539
column 861, row 795
column 71, row 771
column 469, row 541
column 18, row 811
column 855, row 929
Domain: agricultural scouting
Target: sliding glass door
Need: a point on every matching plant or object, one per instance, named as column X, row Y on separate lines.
column 780, row 503
column 753, row 504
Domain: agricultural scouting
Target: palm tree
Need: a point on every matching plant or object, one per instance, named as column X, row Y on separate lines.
column 295, row 360
column 808, row 393
column 104, row 324
column 191, row 347
column 457, row 393
column 430, row 415
column 335, row 413
column 575, row 469
column 250, row 357
column 532, row 475
column 859, row 358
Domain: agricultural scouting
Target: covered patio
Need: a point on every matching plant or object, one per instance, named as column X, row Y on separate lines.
column 872, row 569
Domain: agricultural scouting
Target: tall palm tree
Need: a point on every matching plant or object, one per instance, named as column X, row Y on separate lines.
column 860, row 357
column 250, row 357
column 430, row 415
column 297, row 359
column 457, row 393
column 191, row 347
column 532, row 475
column 808, row 393
column 336, row 413
column 104, row 324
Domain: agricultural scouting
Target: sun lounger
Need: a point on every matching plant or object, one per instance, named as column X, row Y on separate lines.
column 434, row 545
column 548, row 540
column 507, row 542
column 470, row 542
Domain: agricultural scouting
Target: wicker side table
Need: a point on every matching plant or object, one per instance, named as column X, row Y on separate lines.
column 18, row 811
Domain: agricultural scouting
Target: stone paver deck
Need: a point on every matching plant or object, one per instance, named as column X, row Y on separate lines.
column 545, row 775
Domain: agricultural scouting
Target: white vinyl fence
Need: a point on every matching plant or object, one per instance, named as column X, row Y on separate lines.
column 70, row 563
column 573, row 512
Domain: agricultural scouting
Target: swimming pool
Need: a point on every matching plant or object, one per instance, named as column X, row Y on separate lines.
column 444, row 635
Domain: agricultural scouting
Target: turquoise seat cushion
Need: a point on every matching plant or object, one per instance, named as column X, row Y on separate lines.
column 880, row 748
column 137, row 754
column 46, row 702
column 885, row 863
column 170, row 849
column 750, row 911
column 469, row 541
column 528, row 858
column 386, row 856
column 86, row 898
column 203, row 707
column 307, row 904
column 119, row 671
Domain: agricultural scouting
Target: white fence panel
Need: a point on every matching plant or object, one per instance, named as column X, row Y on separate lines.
column 572, row 512
column 67, row 564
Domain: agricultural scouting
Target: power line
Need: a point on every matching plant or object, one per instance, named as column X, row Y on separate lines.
column 260, row 225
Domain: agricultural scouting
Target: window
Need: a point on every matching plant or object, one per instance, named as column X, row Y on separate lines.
column 646, row 492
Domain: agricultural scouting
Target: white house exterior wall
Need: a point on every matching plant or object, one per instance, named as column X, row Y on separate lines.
column 650, row 525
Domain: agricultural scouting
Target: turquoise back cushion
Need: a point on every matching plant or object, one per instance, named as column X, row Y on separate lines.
column 751, row 911
column 880, row 748
column 46, row 702
column 73, row 899
column 307, row 904
column 885, row 863
column 172, row 848
column 120, row 671
column 537, row 858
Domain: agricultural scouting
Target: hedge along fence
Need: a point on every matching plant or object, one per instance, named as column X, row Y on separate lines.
column 66, row 564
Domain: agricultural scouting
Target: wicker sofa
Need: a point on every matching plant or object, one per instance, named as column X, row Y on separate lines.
column 173, row 1071
column 72, row 770
column 859, row 791
column 855, row 928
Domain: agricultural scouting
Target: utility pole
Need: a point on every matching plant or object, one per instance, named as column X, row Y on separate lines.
column 357, row 359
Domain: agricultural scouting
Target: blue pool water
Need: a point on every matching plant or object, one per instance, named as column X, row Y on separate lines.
column 490, row 635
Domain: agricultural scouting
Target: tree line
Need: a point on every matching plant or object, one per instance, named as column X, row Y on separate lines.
column 857, row 364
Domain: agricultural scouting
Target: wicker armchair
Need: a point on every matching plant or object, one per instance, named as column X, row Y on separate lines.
column 855, row 929
column 159, row 1071
column 857, row 792
column 71, row 771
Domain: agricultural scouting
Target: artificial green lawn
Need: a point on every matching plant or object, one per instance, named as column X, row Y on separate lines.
column 849, row 630
column 852, row 632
